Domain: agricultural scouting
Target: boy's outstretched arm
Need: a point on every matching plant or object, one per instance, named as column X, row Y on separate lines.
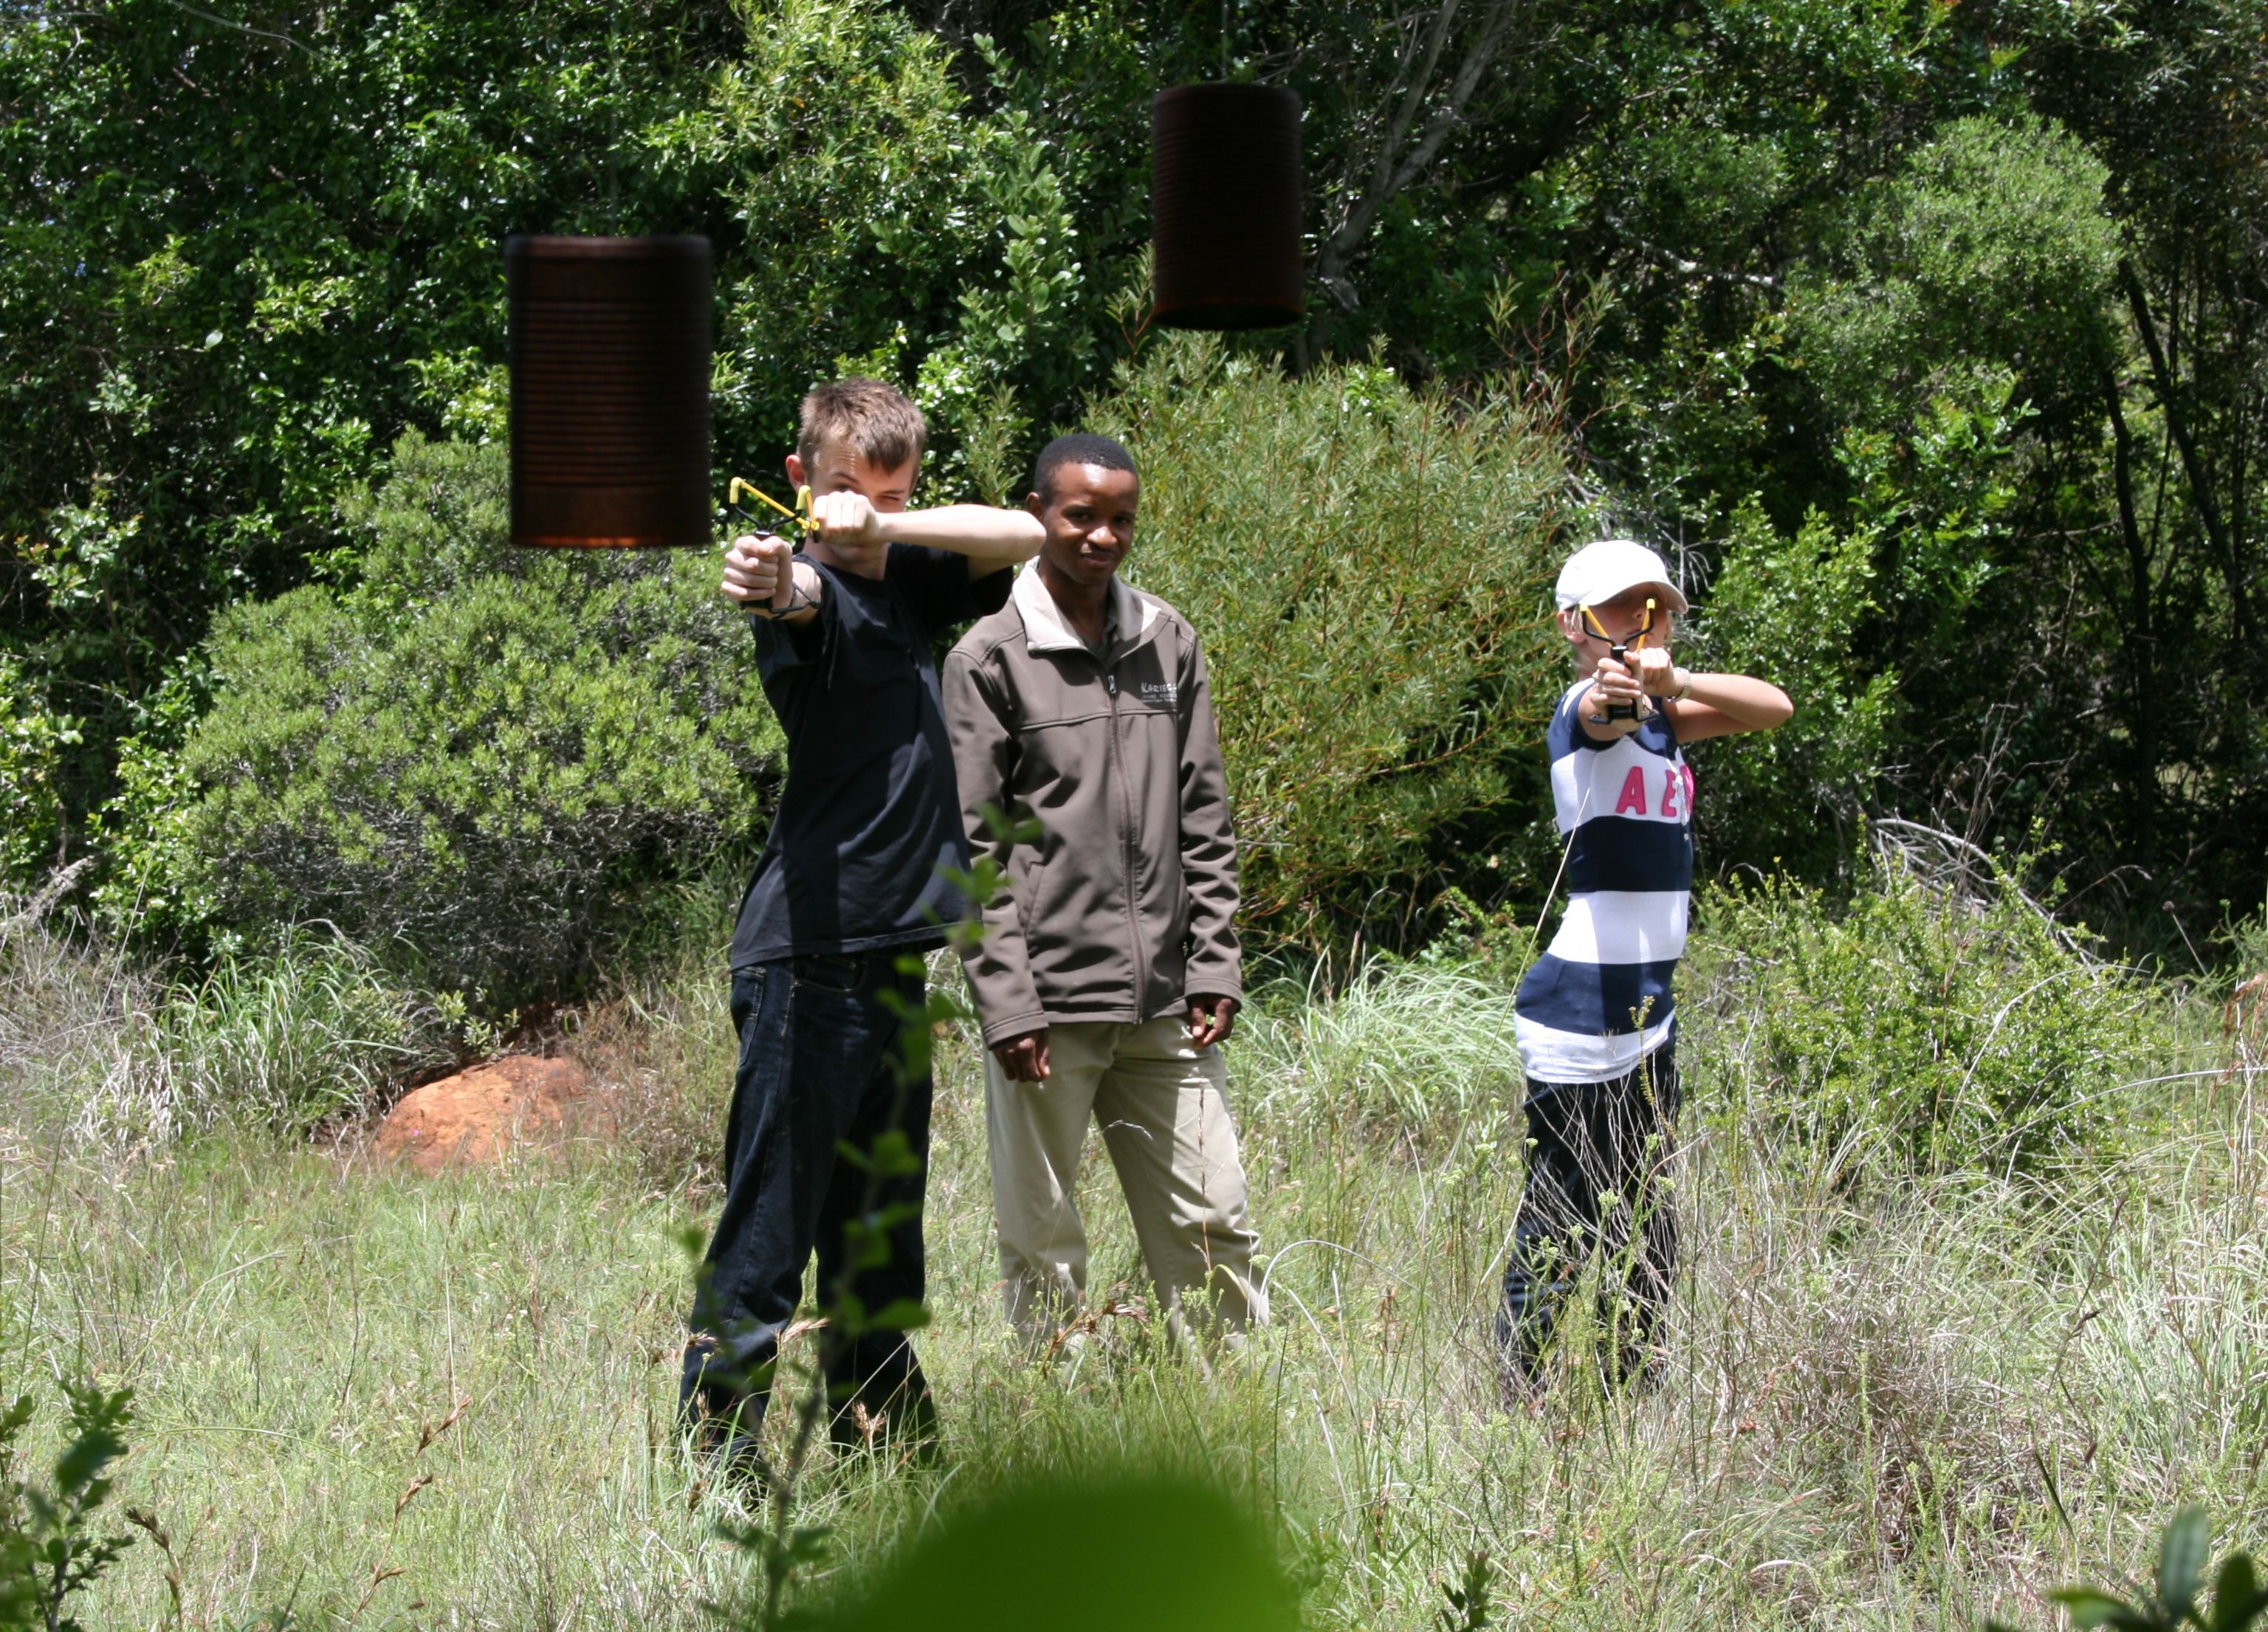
column 1704, row 705
column 1714, row 705
column 990, row 539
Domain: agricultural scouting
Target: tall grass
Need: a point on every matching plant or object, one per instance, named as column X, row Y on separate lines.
column 70, row 1019
column 302, row 1031
column 297, row 1035
column 1896, row 1394
column 1403, row 1044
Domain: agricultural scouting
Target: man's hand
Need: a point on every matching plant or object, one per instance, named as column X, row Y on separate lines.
column 1024, row 1058
column 1212, row 1018
column 759, row 571
column 851, row 527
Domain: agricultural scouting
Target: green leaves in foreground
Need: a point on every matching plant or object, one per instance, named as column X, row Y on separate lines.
column 1123, row 1553
column 2239, row 1600
column 49, row 1544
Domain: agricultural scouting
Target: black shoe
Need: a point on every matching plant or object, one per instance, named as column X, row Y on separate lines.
column 905, row 1428
column 723, row 1431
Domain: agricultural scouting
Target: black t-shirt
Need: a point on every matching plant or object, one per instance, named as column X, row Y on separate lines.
column 870, row 815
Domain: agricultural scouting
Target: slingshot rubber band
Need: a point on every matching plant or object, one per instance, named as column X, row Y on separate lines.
column 1599, row 629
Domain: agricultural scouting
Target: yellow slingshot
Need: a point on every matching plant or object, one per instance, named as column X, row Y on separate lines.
column 1637, row 643
column 801, row 515
column 1623, row 653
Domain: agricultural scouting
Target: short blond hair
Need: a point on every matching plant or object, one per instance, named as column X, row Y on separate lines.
column 874, row 420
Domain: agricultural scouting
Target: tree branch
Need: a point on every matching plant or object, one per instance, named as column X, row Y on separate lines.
column 224, row 22
column 1399, row 162
column 2192, row 464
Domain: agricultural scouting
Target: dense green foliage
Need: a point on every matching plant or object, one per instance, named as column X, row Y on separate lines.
column 1791, row 607
column 31, row 738
column 472, row 757
column 1950, row 1034
column 238, row 258
column 1348, row 551
column 1932, row 336
column 236, row 262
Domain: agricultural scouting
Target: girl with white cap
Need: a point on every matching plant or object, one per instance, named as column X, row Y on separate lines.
column 1596, row 1016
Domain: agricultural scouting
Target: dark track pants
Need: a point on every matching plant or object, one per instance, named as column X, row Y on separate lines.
column 819, row 1068
column 1588, row 1140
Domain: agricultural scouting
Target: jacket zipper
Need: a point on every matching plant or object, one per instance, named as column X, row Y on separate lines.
column 1126, row 851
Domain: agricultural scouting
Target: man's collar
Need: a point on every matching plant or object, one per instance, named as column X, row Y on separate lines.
column 1046, row 629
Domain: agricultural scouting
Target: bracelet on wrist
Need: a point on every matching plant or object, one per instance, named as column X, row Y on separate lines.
column 796, row 600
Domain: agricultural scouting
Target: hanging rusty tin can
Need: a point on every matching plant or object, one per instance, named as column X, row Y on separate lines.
column 1225, row 207
column 609, row 345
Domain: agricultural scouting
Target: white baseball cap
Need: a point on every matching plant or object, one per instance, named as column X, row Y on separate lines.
column 1598, row 572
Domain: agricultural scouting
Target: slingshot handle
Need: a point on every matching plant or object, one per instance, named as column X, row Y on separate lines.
column 1623, row 710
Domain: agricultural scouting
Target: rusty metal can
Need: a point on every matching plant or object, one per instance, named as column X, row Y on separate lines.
column 1225, row 203
column 609, row 345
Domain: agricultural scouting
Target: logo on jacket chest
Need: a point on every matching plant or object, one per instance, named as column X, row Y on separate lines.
column 1165, row 693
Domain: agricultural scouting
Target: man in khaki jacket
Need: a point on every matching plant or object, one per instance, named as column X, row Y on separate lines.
column 1110, row 973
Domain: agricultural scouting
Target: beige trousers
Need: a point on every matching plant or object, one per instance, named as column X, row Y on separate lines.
column 1167, row 1129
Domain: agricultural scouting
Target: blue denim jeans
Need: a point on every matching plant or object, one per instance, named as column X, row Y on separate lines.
column 820, row 1069
column 1589, row 1140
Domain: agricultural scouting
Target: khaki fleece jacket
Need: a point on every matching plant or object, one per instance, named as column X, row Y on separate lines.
column 1125, row 907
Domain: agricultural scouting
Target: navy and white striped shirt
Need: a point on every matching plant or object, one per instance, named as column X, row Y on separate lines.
column 1599, row 1000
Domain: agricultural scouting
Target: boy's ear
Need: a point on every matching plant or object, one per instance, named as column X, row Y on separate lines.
column 1570, row 623
column 1035, row 504
column 795, row 471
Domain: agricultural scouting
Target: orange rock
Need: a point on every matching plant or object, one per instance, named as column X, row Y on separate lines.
column 519, row 1104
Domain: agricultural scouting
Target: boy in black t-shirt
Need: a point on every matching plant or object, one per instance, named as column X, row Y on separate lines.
column 849, row 881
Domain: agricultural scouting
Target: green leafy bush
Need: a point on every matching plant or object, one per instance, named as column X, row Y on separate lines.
column 1787, row 609
column 1369, row 569
column 896, row 224
column 1993, row 243
column 1868, row 626
column 472, row 759
column 145, row 894
column 30, row 811
column 1947, row 1031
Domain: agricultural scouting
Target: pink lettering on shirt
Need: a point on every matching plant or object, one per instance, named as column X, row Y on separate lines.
column 1633, row 800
